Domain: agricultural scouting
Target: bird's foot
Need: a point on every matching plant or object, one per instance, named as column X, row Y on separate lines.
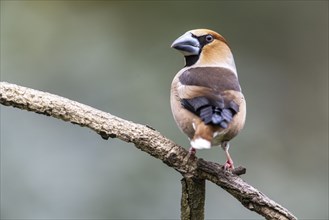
column 192, row 151
column 229, row 165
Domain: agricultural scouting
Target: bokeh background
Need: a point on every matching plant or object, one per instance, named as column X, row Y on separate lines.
column 116, row 56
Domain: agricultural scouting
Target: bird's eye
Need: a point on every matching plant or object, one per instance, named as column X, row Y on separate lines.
column 209, row 38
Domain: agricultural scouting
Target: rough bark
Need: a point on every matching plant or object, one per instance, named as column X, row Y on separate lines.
column 146, row 139
column 193, row 198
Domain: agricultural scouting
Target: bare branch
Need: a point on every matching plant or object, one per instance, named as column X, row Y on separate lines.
column 193, row 198
column 145, row 139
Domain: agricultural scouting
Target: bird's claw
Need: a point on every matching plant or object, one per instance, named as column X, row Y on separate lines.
column 229, row 165
column 192, row 151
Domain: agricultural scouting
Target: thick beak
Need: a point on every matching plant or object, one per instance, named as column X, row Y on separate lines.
column 187, row 44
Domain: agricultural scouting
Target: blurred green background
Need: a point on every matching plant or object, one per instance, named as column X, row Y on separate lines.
column 116, row 56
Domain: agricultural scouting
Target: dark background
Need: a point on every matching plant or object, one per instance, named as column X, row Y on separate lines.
column 116, row 56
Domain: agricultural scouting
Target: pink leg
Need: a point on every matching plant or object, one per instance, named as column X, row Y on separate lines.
column 229, row 162
column 192, row 151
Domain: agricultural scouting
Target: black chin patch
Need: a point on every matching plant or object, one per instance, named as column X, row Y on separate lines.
column 190, row 60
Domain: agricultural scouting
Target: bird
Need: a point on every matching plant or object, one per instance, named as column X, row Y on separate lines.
column 206, row 98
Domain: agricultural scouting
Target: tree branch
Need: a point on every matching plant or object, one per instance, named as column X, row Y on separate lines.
column 145, row 139
column 193, row 198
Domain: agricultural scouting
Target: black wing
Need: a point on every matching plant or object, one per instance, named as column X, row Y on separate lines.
column 216, row 112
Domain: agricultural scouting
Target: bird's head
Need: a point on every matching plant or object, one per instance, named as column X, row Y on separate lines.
column 204, row 47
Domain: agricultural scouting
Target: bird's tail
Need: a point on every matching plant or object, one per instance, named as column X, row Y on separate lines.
column 203, row 136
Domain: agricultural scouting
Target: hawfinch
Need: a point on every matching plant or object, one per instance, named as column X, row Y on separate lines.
column 206, row 99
